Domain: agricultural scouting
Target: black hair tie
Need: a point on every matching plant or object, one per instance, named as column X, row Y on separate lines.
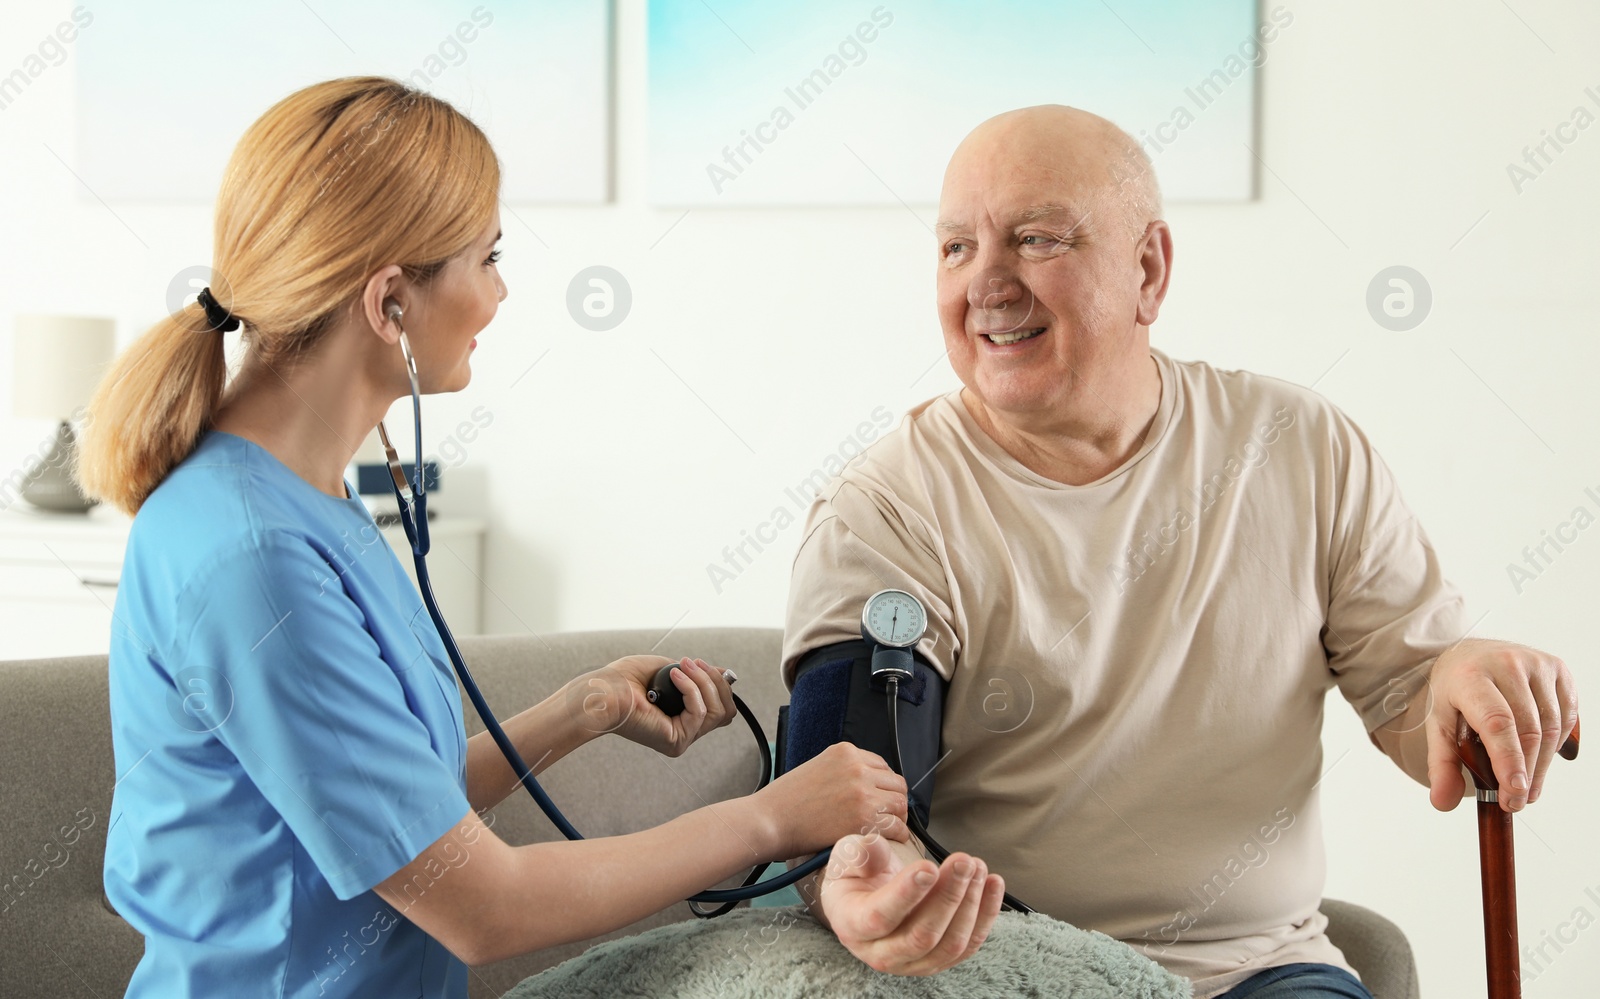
column 220, row 319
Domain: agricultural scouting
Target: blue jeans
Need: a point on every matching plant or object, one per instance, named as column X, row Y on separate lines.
column 1300, row 981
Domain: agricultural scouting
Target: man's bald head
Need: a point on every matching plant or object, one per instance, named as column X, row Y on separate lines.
column 1053, row 261
column 1087, row 151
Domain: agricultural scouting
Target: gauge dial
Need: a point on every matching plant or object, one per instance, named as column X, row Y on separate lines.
column 894, row 619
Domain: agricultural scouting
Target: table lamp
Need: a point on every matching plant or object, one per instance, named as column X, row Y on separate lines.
column 58, row 362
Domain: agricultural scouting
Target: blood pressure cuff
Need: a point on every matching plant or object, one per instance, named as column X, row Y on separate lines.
column 835, row 700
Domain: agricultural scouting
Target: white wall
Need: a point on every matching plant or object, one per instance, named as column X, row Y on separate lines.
column 620, row 466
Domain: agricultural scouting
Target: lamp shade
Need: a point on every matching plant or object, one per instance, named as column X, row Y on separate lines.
column 58, row 362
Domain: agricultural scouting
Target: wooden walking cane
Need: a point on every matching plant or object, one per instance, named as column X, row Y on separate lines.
column 1499, row 868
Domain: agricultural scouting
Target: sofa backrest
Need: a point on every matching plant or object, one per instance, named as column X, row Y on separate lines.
column 59, row 937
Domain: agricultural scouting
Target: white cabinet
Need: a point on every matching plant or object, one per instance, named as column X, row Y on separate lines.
column 58, row 580
column 58, row 577
column 455, row 566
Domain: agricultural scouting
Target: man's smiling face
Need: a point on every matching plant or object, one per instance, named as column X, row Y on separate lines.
column 1038, row 274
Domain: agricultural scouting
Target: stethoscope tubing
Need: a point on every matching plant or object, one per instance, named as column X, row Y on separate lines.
column 414, row 518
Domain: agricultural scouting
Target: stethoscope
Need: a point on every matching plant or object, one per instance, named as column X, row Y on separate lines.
column 412, row 496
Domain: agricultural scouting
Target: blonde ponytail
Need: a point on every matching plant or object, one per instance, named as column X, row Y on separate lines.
column 150, row 410
column 334, row 182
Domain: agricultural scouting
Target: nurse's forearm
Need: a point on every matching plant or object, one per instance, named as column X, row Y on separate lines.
column 605, row 884
column 486, row 900
column 542, row 734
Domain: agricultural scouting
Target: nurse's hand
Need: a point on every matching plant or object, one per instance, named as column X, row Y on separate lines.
column 612, row 699
column 843, row 790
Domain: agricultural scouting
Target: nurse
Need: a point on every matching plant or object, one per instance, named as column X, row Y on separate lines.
column 297, row 807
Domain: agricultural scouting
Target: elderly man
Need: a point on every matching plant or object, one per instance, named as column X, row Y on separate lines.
column 1141, row 577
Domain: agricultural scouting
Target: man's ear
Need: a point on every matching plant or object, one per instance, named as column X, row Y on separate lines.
column 386, row 283
column 1155, row 260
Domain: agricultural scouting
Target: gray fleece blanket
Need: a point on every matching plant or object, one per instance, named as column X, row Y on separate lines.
column 782, row 953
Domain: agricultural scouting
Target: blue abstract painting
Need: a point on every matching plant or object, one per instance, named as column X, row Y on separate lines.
column 857, row 102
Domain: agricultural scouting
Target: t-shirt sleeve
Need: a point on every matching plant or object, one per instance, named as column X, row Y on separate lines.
column 1390, row 609
column 297, row 690
column 858, row 542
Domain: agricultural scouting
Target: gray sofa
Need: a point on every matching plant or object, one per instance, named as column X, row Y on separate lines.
column 59, row 937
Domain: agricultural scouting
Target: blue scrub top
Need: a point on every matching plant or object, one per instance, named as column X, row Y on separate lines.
column 288, row 734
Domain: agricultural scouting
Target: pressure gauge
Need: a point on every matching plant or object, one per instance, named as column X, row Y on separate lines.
column 893, row 619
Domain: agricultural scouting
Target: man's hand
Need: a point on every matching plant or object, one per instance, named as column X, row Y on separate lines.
column 908, row 919
column 612, row 699
column 1522, row 702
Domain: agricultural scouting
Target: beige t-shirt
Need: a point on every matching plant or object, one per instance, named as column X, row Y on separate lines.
column 1137, row 666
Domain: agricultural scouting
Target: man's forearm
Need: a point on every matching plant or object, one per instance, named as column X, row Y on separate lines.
column 1404, row 738
column 810, row 887
column 1405, row 741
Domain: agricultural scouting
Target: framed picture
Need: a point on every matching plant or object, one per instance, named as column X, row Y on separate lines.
column 166, row 90
column 825, row 102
